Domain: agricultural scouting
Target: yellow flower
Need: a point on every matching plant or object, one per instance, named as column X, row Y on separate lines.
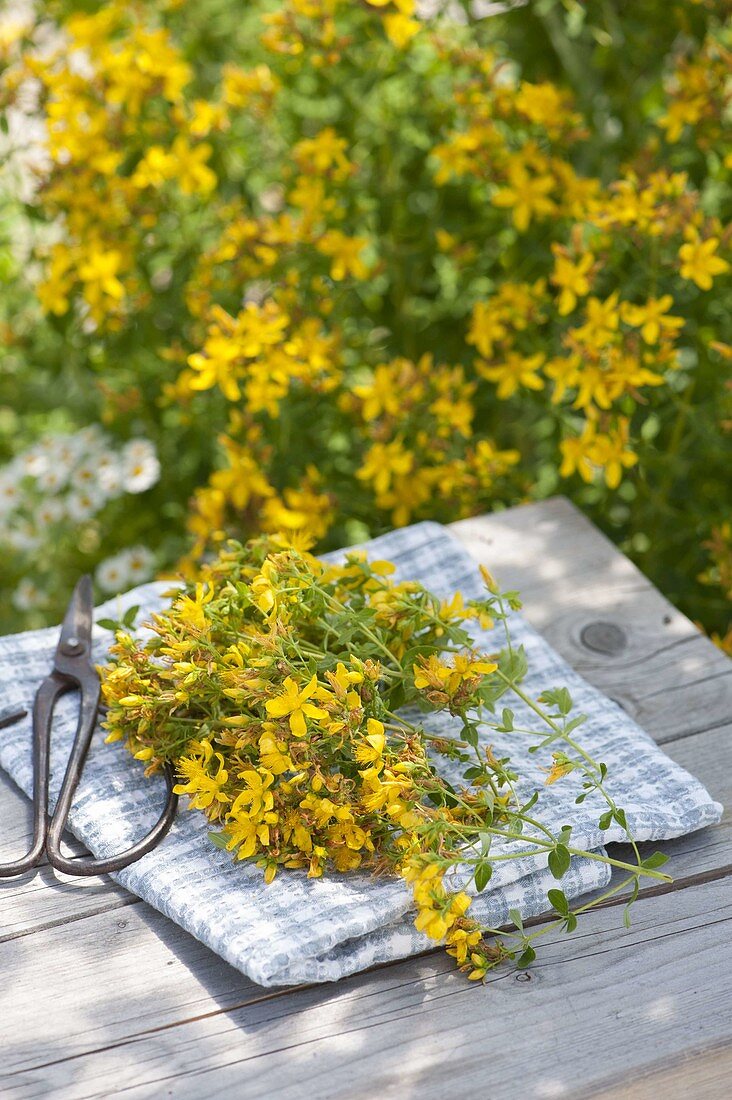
column 380, row 396
column 603, row 320
column 432, row 675
column 544, row 103
column 461, row 941
column 613, row 453
column 191, row 610
column 256, row 798
column 577, row 454
column 487, row 327
column 558, row 770
column 345, row 253
column 526, row 195
column 652, row 318
column 293, row 702
column 370, row 750
column 273, row 756
column 324, row 151
column 204, row 790
column 383, row 462
column 699, row 262
column 245, row 833
column 192, row 174
column 99, row 274
column 263, row 588
column 571, row 276
column 516, row 370
column 457, row 157
column 400, row 28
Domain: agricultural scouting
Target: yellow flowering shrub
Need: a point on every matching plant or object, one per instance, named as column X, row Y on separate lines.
column 349, row 267
column 277, row 685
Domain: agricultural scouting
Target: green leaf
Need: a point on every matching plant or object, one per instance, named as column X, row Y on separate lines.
column 575, row 722
column 128, row 619
column 564, row 701
column 526, row 957
column 558, row 697
column 218, row 839
column 656, row 859
column 469, row 733
column 606, row 820
column 559, row 861
column 528, row 805
column 514, row 664
column 515, row 916
column 483, row 874
column 109, row 624
column 558, row 901
column 507, row 719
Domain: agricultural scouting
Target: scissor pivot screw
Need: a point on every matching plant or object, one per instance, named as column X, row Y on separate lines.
column 72, row 646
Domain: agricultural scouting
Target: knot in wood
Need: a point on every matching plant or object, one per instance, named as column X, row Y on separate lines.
column 604, row 637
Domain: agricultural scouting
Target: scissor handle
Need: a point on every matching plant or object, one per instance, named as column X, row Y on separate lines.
column 80, row 865
column 47, row 835
column 83, row 867
column 49, row 691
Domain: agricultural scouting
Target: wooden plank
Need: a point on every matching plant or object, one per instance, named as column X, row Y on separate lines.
column 647, row 655
column 701, row 1074
column 44, row 898
column 593, row 1006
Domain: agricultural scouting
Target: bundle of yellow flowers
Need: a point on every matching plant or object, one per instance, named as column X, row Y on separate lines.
column 277, row 686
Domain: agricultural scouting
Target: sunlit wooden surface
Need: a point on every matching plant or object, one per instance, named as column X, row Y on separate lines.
column 101, row 995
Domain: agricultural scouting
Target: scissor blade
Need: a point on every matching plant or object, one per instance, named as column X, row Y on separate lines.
column 77, row 625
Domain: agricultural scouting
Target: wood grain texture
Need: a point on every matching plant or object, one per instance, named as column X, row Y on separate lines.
column 702, row 1074
column 44, row 898
column 597, row 1005
column 669, row 677
column 102, row 995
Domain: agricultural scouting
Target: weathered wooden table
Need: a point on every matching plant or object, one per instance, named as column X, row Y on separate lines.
column 100, row 995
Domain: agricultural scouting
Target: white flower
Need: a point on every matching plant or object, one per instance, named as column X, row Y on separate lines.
column 11, row 494
column 54, row 477
column 139, row 563
column 33, row 462
column 48, row 512
column 62, row 450
column 91, row 438
column 83, row 504
column 140, row 466
column 86, row 476
column 27, row 595
column 112, row 574
column 22, row 535
column 110, row 477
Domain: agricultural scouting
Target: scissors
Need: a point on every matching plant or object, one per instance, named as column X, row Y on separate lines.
column 73, row 668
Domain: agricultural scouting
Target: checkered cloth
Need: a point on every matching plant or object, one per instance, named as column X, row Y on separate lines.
column 313, row 930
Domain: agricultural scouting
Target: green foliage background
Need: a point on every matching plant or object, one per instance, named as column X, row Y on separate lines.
column 614, row 57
